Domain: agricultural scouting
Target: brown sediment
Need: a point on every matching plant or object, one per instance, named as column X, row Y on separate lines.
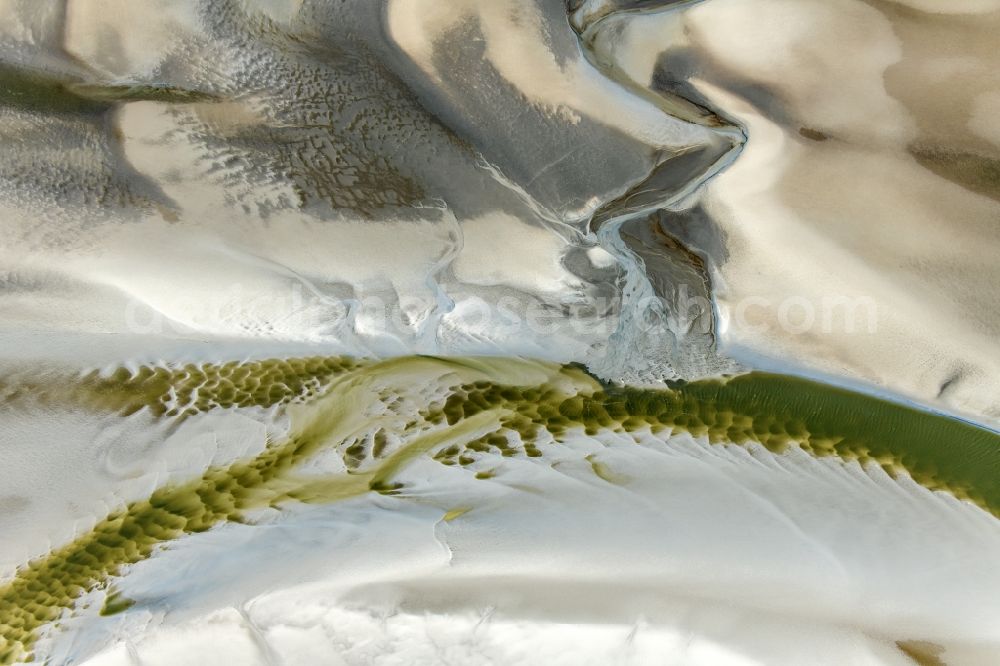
column 977, row 173
column 812, row 135
column 923, row 653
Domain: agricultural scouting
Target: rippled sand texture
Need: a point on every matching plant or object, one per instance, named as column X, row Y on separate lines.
column 270, row 272
column 283, row 170
column 871, row 173
column 473, row 447
column 202, row 169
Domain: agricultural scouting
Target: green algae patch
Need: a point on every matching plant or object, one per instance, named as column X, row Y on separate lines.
column 604, row 472
column 939, row 452
column 455, row 514
column 181, row 391
column 192, row 389
column 116, row 603
column 775, row 411
column 43, row 590
column 469, row 413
